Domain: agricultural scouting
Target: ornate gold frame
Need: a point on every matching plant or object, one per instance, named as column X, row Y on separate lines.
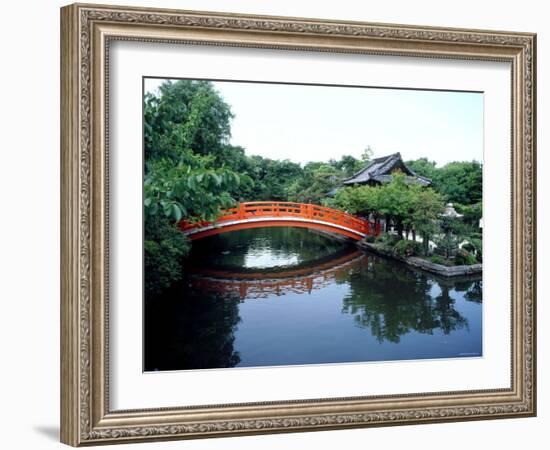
column 86, row 31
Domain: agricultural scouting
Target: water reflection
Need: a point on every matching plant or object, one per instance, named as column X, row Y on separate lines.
column 264, row 250
column 317, row 301
column 390, row 299
column 316, row 275
column 197, row 333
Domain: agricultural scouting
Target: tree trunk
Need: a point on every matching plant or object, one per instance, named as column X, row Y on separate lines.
column 426, row 243
column 399, row 229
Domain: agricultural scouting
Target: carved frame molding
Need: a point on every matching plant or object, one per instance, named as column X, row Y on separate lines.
column 86, row 31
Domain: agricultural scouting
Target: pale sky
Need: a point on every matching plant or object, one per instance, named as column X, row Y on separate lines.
column 316, row 123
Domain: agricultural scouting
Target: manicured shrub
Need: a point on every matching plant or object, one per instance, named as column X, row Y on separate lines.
column 386, row 238
column 370, row 239
column 464, row 258
column 438, row 259
column 406, row 248
column 478, row 246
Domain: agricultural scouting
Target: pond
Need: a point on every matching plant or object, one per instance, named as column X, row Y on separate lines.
column 287, row 296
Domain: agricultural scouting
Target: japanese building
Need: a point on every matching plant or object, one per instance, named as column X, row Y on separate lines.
column 380, row 171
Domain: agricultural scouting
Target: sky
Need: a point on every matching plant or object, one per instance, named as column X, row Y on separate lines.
column 316, row 123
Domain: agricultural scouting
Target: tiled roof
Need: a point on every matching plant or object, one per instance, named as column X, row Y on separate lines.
column 380, row 169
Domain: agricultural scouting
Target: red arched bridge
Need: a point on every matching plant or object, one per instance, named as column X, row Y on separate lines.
column 282, row 214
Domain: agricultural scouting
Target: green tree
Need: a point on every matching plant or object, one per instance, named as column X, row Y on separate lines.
column 427, row 206
column 423, row 167
column 164, row 247
column 348, row 165
column 186, row 115
column 452, row 234
column 472, row 214
column 367, row 155
column 360, row 200
column 460, row 182
column 317, row 180
column 186, row 129
column 411, row 206
column 396, row 202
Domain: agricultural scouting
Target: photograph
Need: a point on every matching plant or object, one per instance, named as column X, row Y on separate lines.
column 294, row 224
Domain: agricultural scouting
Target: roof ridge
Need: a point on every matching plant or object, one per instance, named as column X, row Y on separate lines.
column 383, row 164
column 374, row 161
column 391, row 159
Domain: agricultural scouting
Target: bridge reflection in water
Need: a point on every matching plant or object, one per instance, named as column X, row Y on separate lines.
column 284, row 296
column 265, row 284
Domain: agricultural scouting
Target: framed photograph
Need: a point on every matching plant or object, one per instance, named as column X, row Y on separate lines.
column 275, row 224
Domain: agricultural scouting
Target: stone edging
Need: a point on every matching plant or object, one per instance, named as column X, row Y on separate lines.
column 429, row 266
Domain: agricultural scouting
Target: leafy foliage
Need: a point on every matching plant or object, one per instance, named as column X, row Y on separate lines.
column 185, row 116
column 186, row 129
column 272, row 178
column 164, row 247
column 458, row 182
column 408, row 204
column 192, row 193
column 361, row 200
column 463, row 257
column 316, row 182
column 438, row 259
column 452, row 234
column 472, row 213
column 406, row 248
column 475, row 247
column 426, row 211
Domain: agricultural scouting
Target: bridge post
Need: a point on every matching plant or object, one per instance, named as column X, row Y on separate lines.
column 309, row 213
column 242, row 290
column 240, row 211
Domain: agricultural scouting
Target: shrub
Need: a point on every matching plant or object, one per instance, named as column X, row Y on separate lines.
column 370, row 239
column 437, row 259
column 447, row 245
column 164, row 247
column 386, row 238
column 379, row 238
column 407, row 248
column 478, row 246
column 464, row 258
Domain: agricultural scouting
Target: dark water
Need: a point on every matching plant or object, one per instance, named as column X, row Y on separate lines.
column 283, row 296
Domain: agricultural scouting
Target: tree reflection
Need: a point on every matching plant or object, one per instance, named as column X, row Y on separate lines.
column 187, row 330
column 194, row 324
column 191, row 326
column 470, row 285
column 393, row 300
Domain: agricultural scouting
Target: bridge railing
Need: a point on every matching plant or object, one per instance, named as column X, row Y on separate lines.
column 251, row 210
